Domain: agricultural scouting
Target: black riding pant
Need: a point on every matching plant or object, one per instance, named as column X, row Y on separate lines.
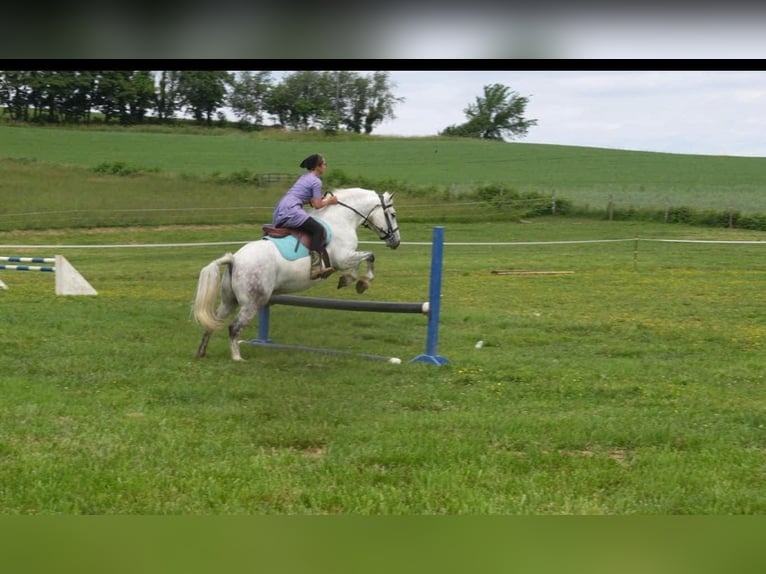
column 317, row 233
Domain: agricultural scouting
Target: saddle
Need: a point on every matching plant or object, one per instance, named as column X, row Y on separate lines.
column 280, row 232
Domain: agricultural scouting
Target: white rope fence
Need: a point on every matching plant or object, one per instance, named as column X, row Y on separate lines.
column 425, row 243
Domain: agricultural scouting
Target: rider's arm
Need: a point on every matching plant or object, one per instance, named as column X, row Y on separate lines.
column 323, row 201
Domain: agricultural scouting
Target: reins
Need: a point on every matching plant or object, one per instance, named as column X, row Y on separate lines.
column 382, row 233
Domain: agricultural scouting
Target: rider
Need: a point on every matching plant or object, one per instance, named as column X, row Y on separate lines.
column 289, row 212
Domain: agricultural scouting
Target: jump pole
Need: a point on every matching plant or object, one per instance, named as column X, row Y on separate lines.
column 68, row 280
column 430, row 308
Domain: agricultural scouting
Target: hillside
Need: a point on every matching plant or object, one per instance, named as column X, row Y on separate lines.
column 588, row 178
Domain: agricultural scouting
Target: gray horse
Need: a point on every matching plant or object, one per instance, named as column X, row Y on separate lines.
column 258, row 269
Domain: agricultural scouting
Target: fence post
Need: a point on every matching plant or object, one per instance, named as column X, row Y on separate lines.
column 635, row 253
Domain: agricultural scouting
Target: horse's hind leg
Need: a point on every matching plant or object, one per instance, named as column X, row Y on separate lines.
column 202, row 349
column 224, row 310
column 242, row 320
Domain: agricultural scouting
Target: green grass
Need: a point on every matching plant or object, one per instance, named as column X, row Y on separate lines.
column 633, row 386
column 587, row 176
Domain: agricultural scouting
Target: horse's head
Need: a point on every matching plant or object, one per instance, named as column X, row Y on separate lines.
column 387, row 227
column 374, row 211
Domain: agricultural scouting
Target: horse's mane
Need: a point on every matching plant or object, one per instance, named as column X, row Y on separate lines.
column 347, row 192
column 360, row 197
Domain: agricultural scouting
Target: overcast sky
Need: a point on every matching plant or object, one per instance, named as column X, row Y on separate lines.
column 690, row 112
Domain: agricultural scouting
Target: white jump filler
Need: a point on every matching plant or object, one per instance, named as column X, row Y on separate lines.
column 68, row 279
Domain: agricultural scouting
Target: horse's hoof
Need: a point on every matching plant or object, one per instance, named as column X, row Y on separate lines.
column 361, row 286
column 344, row 281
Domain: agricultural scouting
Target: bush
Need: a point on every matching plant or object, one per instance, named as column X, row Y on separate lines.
column 338, row 178
column 242, row 177
column 756, row 221
column 120, row 168
column 680, row 215
column 524, row 204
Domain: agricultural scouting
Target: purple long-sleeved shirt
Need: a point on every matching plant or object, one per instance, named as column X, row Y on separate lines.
column 289, row 210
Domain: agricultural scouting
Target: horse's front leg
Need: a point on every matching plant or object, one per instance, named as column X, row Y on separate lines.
column 364, row 281
column 352, row 265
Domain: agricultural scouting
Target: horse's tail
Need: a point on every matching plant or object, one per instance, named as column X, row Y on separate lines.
column 207, row 293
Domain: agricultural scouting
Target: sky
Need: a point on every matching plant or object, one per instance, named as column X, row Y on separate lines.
column 689, row 112
column 586, row 91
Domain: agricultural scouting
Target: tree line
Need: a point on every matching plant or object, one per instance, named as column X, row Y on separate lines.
column 331, row 101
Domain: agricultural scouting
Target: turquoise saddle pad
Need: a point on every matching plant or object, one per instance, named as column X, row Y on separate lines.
column 292, row 249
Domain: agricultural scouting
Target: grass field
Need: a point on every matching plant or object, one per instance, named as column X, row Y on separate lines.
column 633, row 384
column 586, row 176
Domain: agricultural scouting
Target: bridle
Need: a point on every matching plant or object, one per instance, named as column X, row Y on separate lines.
column 384, row 234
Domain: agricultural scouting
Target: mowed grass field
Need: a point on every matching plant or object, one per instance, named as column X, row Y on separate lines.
column 632, row 384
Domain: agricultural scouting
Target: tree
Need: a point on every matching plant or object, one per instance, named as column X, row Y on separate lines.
column 16, row 93
column 167, row 98
column 37, row 84
column 368, row 100
column 248, row 96
column 329, row 100
column 380, row 104
column 338, row 86
column 300, row 100
column 124, row 94
column 78, row 99
column 140, row 97
column 203, row 93
column 332, row 101
column 496, row 116
column 111, row 95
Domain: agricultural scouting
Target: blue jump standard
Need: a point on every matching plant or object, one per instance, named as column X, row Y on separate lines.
column 434, row 302
column 432, row 309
